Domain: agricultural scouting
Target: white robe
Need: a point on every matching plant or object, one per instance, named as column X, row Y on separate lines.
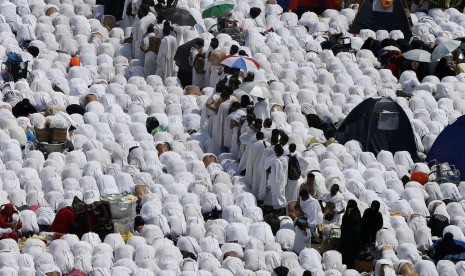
column 277, row 182
column 150, row 61
column 262, row 110
column 198, row 79
column 252, row 158
column 339, row 203
column 218, row 120
column 267, row 158
column 312, row 210
column 165, row 61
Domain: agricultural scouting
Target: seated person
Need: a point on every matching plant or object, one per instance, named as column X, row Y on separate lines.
column 312, row 213
column 162, row 147
column 208, row 159
column 10, row 224
column 333, row 206
column 447, row 246
column 64, row 221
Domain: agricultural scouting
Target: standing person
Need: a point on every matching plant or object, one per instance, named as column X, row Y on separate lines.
column 262, row 109
column 292, row 187
column 182, row 58
column 150, row 46
column 276, row 195
column 197, row 60
column 253, row 173
column 372, row 222
column 267, row 158
column 235, row 125
column 215, row 67
column 165, row 62
column 139, row 28
column 350, row 233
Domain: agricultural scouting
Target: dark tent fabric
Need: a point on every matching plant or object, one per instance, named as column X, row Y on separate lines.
column 371, row 15
column 378, row 124
column 449, row 146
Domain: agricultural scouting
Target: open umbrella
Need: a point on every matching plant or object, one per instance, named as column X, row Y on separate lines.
column 218, row 8
column 178, row 16
column 240, row 62
column 418, row 55
column 259, row 89
column 444, row 49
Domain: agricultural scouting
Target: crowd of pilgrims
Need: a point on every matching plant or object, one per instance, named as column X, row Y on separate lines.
column 234, row 185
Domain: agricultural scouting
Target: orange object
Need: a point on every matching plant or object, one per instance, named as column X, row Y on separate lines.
column 419, row 177
column 75, row 61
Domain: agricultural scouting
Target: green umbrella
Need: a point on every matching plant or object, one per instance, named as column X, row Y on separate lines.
column 218, row 8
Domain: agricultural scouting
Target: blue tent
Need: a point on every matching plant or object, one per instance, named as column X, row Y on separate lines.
column 449, row 146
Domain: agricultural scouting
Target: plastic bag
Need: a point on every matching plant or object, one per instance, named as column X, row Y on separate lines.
column 13, row 57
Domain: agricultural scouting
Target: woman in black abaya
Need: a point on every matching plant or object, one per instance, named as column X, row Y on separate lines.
column 350, row 233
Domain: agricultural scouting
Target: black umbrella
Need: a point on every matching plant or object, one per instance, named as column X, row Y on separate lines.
column 178, row 16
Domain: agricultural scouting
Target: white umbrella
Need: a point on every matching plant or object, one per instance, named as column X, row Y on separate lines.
column 418, row 55
column 444, row 49
column 259, row 89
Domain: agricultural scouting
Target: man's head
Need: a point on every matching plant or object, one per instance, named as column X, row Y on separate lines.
column 166, row 31
column 267, row 123
column 304, row 195
column 274, row 140
column 334, row 189
column 292, row 148
column 235, row 106
column 199, row 43
column 283, row 139
column 144, row 9
column 150, row 28
column 214, row 43
column 260, row 136
column 310, row 177
column 258, row 123
column 278, row 150
column 275, row 132
column 234, row 49
column 250, row 118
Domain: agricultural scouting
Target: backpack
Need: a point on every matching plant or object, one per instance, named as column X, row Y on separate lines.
column 293, row 169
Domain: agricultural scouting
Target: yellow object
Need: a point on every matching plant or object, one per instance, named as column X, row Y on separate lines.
column 126, row 236
column 130, row 197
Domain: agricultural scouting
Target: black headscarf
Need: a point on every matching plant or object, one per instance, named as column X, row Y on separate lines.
column 75, row 109
column 33, row 50
column 314, row 121
column 23, row 109
column 151, row 124
column 352, row 217
column 255, row 12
